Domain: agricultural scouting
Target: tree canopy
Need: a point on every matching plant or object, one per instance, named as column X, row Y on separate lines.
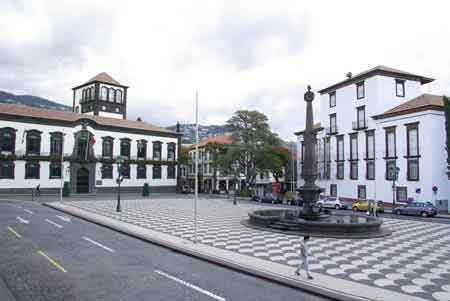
column 255, row 149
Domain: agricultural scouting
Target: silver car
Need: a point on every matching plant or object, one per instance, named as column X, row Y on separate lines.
column 417, row 208
column 331, row 202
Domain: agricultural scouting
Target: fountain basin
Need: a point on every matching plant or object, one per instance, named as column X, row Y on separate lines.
column 341, row 225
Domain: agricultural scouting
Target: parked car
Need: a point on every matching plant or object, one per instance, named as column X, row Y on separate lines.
column 256, row 198
column 417, row 208
column 332, row 202
column 267, row 199
column 363, row 205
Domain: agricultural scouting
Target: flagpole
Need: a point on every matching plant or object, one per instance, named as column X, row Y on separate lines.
column 62, row 168
column 196, row 167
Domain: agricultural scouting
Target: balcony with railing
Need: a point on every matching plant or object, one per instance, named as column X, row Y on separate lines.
column 331, row 130
column 359, row 124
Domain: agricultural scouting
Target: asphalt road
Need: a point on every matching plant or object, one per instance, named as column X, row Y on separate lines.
column 46, row 255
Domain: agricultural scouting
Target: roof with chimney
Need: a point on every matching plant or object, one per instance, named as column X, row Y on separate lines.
column 378, row 70
column 21, row 113
column 421, row 103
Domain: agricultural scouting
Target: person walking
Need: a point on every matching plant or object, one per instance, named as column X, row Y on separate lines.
column 38, row 190
column 304, row 254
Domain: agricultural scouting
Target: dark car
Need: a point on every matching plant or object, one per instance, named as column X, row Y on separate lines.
column 417, row 208
column 271, row 199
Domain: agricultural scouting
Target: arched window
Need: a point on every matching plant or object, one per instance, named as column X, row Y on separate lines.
column 112, row 94
column 119, row 96
column 7, row 140
column 104, row 94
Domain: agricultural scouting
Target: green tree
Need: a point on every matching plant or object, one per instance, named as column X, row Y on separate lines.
column 447, row 128
column 254, row 148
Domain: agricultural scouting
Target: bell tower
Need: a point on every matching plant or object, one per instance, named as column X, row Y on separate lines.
column 102, row 95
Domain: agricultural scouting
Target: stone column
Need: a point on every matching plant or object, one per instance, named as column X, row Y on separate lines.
column 309, row 191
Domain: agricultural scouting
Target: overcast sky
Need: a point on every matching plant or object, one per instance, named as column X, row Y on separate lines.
column 240, row 54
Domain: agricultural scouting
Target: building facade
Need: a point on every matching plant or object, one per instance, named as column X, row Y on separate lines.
column 45, row 148
column 380, row 137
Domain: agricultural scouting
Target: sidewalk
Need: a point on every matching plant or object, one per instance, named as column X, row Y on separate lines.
column 164, row 223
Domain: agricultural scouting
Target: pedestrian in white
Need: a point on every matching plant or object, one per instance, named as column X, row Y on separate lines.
column 304, row 254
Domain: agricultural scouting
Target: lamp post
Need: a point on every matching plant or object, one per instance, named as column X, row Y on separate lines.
column 235, row 171
column 62, row 168
column 119, row 162
column 394, row 172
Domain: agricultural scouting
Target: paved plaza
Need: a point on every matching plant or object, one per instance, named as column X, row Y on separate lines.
column 413, row 263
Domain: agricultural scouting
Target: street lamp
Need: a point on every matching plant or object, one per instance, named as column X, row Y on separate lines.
column 120, row 160
column 394, row 172
column 235, row 167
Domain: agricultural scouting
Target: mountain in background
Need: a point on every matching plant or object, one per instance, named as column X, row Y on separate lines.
column 33, row 101
column 204, row 132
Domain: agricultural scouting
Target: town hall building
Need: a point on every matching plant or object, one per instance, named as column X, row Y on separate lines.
column 45, row 147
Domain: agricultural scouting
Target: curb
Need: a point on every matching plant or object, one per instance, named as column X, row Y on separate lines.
column 184, row 247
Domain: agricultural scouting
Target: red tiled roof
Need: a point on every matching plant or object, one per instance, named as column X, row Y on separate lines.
column 27, row 111
column 418, row 104
column 222, row 139
column 383, row 70
column 105, row 78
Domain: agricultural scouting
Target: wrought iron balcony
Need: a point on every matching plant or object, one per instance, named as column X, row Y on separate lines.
column 359, row 125
column 331, row 130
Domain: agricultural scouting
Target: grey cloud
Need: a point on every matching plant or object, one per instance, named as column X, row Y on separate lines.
column 237, row 39
column 63, row 46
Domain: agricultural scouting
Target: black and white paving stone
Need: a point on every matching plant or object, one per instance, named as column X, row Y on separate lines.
column 415, row 260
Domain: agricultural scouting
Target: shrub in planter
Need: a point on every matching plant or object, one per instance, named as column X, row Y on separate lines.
column 145, row 190
column 66, row 189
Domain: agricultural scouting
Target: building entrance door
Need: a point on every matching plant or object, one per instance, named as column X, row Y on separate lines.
column 83, row 180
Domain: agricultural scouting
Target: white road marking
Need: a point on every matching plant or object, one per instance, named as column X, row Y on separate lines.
column 98, row 244
column 63, row 218
column 194, row 287
column 53, row 223
column 29, row 211
column 23, row 221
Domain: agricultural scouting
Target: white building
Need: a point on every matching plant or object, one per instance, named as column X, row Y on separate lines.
column 372, row 123
column 32, row 141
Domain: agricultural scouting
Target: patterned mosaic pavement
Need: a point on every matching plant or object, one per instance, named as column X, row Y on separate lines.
column 415, row 260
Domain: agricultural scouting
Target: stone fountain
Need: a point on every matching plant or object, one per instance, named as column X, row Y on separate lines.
column 309, row 220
